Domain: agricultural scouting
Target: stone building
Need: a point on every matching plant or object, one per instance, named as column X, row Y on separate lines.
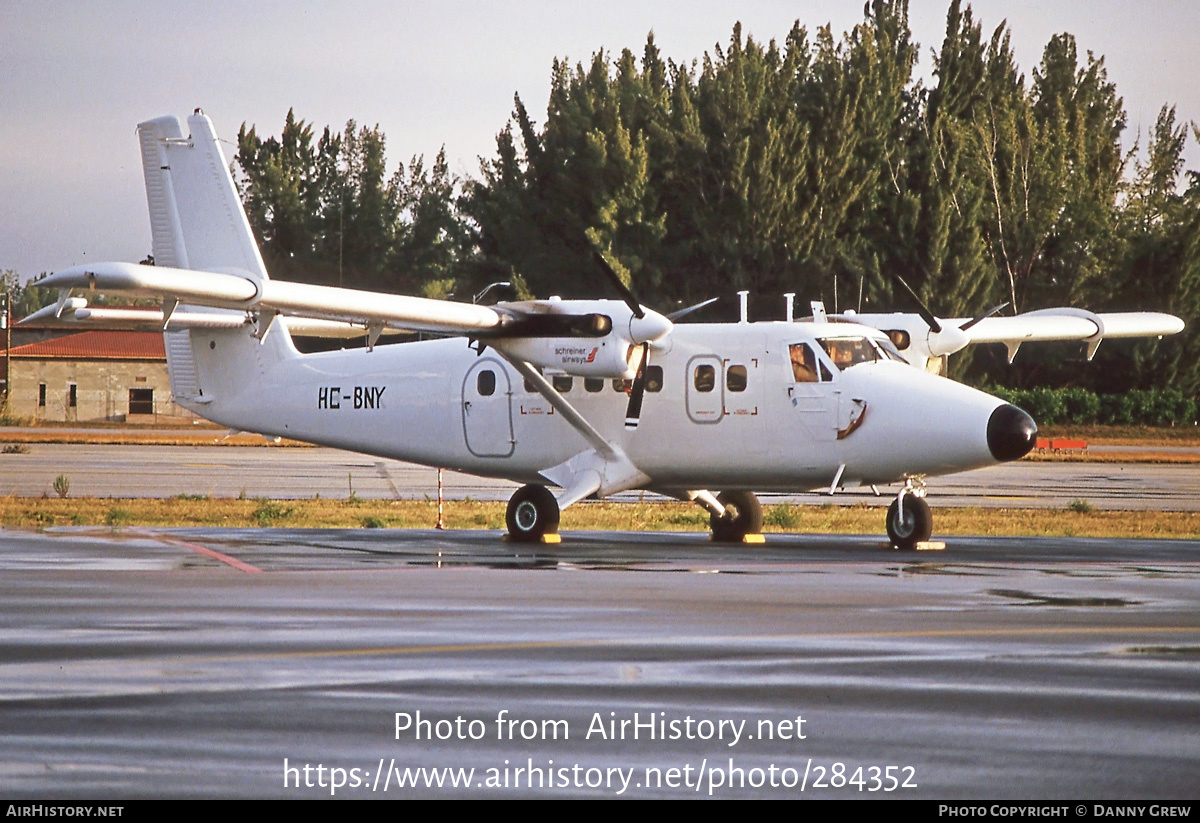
column 91, row 376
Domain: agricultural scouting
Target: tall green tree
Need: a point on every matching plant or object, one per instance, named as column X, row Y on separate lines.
column 281, row 194
column 818, row 165
column 1160, row 266
column 331, row 213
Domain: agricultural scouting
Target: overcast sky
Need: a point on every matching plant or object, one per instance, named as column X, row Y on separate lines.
column 76, row 78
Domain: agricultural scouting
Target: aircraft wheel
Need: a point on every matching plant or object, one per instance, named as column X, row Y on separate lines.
column 743, row 516
column 532, row 513
column 916, row 525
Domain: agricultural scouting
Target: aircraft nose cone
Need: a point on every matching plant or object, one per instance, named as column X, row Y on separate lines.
column 1011, row 433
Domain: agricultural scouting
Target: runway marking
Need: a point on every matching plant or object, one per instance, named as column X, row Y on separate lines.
column 207, row 552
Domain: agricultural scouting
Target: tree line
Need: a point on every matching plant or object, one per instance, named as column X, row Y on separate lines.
column 817, row 164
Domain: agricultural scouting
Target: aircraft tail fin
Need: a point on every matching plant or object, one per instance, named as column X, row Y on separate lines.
column 196, row 216
column 197, row 223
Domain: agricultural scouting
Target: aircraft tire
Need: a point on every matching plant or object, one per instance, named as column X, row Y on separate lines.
column 917, row 525
column 532, row 513
column 743, row 516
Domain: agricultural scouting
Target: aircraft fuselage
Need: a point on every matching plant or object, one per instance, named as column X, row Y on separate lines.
column 725, row 408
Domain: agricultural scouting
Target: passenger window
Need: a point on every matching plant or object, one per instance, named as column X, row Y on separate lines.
column 485, row 383
column 593, row 384
column 529, row 387
column 562, row 383
column 622, row 385
column 735, row 378
column 654, row 378
column 705, row 378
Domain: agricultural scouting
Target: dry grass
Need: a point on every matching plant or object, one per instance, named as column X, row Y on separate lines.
column 683, row 517
column 1111, row 457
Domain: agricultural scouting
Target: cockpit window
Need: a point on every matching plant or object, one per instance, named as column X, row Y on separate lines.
column 804, row 363
column 890, row 350
column 846, row 352
column 806, row 366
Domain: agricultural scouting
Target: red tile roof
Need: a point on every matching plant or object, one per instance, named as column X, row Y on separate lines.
column 97, row 345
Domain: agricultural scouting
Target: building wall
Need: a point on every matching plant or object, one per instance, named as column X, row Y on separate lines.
column 102, row 390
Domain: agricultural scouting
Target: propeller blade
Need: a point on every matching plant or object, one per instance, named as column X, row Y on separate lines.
column 675, row 315
column 985, row 316
column 621, row 288
column 633, row 413
column 922, row 309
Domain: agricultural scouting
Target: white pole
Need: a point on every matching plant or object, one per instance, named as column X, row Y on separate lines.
column 440, row 523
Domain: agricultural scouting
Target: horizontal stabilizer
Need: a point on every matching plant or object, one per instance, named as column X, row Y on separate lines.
column 77, row 313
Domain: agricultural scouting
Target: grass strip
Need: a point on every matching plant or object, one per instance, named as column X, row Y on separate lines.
column 1078, row 520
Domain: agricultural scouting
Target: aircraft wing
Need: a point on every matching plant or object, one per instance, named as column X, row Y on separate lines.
column 245, row 292
column 1071, row 324
column 1034, row 326
column 517, row 325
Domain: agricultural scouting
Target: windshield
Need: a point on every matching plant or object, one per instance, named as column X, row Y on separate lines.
column 846, row 352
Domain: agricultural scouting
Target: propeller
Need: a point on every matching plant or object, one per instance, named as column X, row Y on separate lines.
column 633, row 412
column 983, row 316
column 684, row 312
column 645, row 326
column 922, row 309
column 619, row 285
column 944, row 340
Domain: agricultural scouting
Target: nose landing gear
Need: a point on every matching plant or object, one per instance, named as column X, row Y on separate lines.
column 742, row 517
column 909, row 520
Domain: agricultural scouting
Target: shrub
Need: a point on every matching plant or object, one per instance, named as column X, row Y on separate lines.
column 268, row 512
column 1080, row 405
column 1145, row 407
column 118, row 517
column 783, row 516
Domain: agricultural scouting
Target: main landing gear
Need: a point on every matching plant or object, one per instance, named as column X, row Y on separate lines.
column 532, row 515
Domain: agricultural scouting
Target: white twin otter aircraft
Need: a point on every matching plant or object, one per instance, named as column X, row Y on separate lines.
column 590, row 397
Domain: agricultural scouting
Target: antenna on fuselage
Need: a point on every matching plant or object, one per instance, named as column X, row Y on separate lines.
column 790, row 298
column 744, row 296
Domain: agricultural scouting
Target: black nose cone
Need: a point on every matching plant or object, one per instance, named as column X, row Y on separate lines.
column 1011, row 433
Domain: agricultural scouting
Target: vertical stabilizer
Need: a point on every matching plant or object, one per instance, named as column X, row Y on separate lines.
column 196, row 216
column 197, row 222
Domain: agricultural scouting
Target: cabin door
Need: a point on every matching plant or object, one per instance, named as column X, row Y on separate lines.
column 487, row 409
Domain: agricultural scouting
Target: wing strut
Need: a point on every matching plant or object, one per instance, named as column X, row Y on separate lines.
column 603, row 469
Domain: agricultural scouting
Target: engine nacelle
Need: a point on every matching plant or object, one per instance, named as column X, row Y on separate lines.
column 607, row 356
